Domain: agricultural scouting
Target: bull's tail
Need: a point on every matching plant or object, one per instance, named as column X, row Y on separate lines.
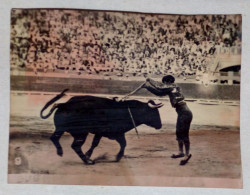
column 51, row 102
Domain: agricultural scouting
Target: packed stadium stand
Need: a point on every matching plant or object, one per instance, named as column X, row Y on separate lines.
column 110, row 45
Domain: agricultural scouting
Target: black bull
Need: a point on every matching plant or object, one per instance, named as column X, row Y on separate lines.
column 103, row 117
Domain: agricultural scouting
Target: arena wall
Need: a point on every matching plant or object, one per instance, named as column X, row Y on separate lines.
column 118, row 87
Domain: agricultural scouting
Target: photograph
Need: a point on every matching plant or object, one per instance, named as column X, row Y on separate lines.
column 118, row 98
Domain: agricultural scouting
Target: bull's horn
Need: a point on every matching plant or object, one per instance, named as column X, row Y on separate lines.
column 152, row 104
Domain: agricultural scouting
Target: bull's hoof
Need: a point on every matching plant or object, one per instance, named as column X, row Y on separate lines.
column 89, row 162
column 183, row 162
column 60, row 152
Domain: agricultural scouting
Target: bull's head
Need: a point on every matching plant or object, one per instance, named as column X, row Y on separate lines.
column 153, row 118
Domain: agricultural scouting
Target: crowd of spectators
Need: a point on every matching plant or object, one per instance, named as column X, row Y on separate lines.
column 120, row 43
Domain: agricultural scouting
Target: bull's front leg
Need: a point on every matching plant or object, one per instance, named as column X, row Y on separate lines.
column 77, row 147
column 122, row 141
column 95, row 142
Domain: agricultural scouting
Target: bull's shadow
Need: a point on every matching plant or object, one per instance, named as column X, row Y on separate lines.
column 101, row 159
column 104, row 159
column 102, row 117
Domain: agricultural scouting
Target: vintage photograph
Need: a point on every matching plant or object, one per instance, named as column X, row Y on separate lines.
column 124, row 98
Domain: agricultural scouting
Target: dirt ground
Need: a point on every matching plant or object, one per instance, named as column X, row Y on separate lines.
column 215, row 162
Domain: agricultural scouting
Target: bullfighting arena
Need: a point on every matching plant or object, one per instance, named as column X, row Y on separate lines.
column 215, row 149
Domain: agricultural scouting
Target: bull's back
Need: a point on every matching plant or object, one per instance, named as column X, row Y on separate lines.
column 85, row 102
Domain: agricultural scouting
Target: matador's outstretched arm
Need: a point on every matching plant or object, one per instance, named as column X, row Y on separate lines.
column 137, row 89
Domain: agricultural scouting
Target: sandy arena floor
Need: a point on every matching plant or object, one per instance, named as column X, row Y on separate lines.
column 215, row 161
